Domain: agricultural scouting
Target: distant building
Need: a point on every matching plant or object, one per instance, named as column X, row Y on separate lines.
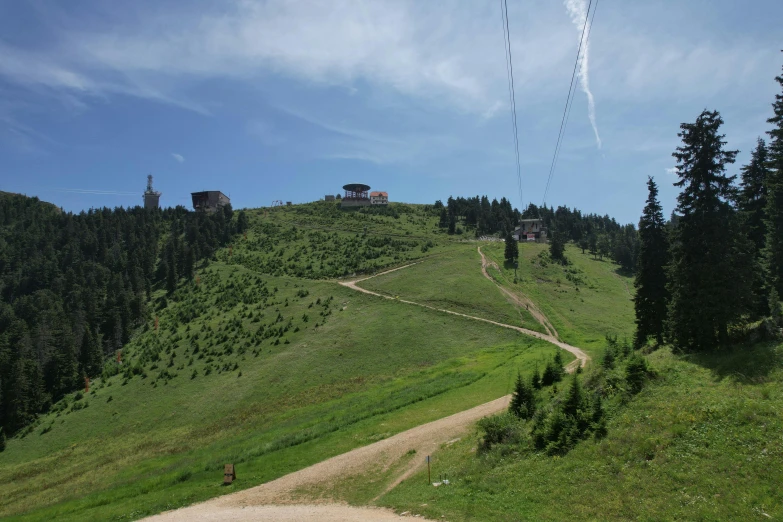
column 356, row 195
column 151, row 197
column 530, row 230
column 209, row 200
column 379, row 198
column 288, row 203
column 328, row 197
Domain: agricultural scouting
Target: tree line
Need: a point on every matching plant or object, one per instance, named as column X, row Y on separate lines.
column 603, row 236
column 73, row 288
column 717, row 265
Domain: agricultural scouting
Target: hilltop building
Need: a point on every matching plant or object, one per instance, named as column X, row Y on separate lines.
column 530, row 230
column 379, row 198
column 328, row 197
column 356, row 195
column 209, row 200
column 150, row 196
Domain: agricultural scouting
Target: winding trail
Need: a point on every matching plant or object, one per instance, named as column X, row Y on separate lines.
column 581, row 356
column 285, row 499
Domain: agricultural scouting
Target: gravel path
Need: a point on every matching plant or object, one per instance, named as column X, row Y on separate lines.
column 276, row 500
column 269, row 501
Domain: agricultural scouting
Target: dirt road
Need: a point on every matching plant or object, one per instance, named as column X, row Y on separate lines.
column 581, row 356
column 271, row 501
column 277, row 500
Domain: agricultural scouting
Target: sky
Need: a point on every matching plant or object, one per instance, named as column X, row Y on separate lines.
column 289, row 100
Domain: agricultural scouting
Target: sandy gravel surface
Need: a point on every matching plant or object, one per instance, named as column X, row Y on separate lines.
column 379, row 455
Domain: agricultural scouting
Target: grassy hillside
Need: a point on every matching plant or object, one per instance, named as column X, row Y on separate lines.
column 265, row 361
column 584, row 300
column 453, row 281
column 701, row 442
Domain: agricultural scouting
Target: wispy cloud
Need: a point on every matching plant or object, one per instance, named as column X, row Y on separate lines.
column 671, row 171
column 178, row 157
column 577, row 9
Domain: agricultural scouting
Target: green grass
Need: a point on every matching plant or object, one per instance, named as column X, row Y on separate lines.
column 145, row 444
column 453, row 281
column 702, row 441
column 584, row 300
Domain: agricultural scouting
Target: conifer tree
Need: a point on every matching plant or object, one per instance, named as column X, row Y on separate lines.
column 557, row 241
column 773, row 248
column 512, row 248
column 708, row 272
column 752, row 203
column 651, row 297
column 523, row 403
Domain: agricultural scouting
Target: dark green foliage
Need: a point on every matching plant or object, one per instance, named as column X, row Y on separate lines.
column 73, row 288
column 499, row 429
column 651, row 297
column 512, row 248
column 773, row 248
column 557, row 240
column 523, row 401
column 710, row 269
column 636, row 372
column 752, row 203
column 535, row 380
column 553, row 371
column 2, row 440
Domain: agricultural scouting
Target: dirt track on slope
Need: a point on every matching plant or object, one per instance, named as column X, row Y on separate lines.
column 274, row 500
column 278, row 500
column 581, row 356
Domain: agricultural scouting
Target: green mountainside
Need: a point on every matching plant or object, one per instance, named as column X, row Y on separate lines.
column 261, row 358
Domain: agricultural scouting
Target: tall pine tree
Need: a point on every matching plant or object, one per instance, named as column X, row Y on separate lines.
column 752, row 203
column 773, row 249
column 708, row 272
column 651, row 295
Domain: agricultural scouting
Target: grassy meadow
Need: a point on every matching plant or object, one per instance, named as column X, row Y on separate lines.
column 453, row 281
column 584, row 300
column 702, row 441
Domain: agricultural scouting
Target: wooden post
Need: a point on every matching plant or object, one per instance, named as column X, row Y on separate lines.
column 156, row 323
column 429, row 473
column 229, row 474
column 119, row 356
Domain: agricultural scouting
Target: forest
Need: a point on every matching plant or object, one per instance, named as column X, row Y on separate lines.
column 75, row 286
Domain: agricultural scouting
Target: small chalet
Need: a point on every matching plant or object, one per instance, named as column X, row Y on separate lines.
column 530, row 230
column 379, row 198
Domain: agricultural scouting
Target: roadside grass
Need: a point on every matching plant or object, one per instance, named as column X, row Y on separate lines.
column 152, row 437
column 702, row 441
column 584, row 300
column 453, row 281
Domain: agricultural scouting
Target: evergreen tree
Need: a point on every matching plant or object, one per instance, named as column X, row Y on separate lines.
column 752, row 202
column 2, row 440
column 535, row 380
column 452, row 224
column 593, row 243
column 444, row 217
column 557, row 243
column 574, row 398
column 242, row 222
column 523, row 403
column 512, row 248
column 773, row 249
column 651, row 297
column 708, row 274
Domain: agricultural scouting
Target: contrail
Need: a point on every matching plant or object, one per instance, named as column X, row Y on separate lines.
column 577, row 9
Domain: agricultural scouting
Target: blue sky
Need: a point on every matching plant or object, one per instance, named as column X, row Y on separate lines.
column 289, row 100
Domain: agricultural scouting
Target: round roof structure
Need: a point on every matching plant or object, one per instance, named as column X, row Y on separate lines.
column 356, row 187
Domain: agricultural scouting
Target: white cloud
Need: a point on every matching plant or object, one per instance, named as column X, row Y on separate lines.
column 577, row 10
column 671, row 171
column 178, row 157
